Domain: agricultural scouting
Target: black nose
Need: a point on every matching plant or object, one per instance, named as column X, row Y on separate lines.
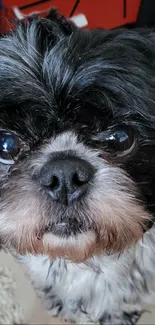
column 67, row 178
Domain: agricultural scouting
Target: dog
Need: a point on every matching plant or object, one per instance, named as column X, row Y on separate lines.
column 77, row 166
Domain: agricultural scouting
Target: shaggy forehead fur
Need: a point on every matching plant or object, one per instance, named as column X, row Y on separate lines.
column 58, row 79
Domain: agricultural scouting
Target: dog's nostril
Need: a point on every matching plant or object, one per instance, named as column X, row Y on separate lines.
column 79, row 179
column 54, row 182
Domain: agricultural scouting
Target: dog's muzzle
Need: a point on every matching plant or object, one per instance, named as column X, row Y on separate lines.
column 66, row 178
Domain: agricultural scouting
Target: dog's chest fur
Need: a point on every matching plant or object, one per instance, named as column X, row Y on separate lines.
column 87, row 291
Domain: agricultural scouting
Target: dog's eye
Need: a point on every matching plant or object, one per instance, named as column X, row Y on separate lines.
column 120, row 140
column 9, row 147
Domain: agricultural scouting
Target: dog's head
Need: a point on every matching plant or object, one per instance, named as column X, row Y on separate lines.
column 77, row 139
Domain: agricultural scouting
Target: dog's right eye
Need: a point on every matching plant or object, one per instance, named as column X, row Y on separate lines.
column 9, row 147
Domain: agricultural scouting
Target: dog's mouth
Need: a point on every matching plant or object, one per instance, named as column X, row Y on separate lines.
column 62, row 229
column 71, row 227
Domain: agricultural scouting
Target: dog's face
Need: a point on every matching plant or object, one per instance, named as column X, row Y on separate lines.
column 77, row 139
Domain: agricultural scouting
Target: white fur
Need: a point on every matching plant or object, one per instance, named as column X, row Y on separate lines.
column 104, row 283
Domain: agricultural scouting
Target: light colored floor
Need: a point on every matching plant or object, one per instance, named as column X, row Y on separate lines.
column 33, row 311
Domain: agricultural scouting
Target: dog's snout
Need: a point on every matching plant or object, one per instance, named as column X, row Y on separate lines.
column 67, row 178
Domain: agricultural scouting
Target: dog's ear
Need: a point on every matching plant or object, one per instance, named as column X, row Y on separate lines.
column 22, row 51
column 64, row 24
column 47, row 31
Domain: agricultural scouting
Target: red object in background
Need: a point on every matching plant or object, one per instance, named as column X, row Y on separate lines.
column 86, row 13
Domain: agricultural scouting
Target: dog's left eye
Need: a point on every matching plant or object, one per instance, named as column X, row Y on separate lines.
column 9, row 147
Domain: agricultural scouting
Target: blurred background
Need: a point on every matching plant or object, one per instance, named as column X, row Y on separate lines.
column 85, row 13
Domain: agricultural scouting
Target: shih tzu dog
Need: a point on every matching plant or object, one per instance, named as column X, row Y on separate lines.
column 77, row 166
